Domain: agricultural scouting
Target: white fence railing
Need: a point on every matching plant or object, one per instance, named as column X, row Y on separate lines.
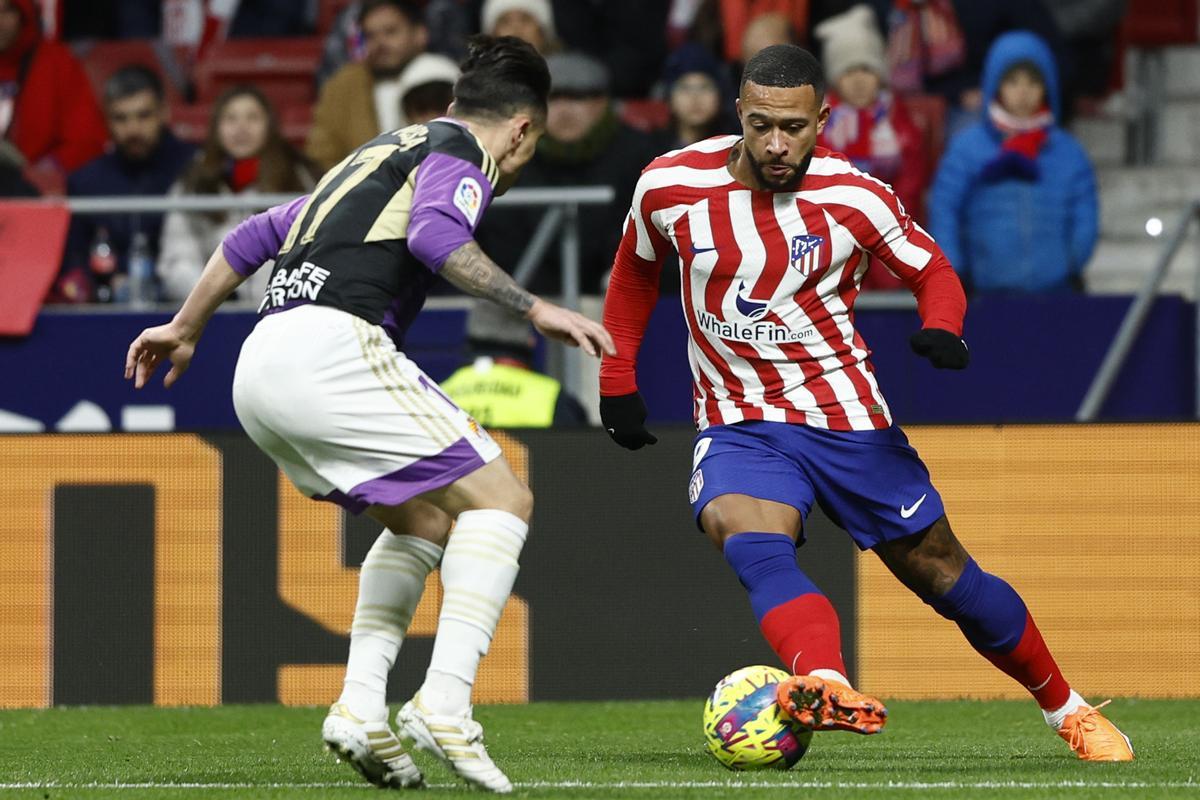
column 561, row 217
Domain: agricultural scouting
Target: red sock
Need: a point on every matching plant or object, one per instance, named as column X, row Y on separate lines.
column 1030, row 663
column 805, row 634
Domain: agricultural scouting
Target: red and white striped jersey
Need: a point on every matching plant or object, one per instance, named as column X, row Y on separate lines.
column 769, row 281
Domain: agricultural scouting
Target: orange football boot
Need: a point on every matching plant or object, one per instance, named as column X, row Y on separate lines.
column 825, row 705
column 1093, row 737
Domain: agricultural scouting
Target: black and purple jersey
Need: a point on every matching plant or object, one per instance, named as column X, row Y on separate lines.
column 377, row 228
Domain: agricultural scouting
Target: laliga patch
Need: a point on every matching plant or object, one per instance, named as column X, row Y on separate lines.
column 468, row 198
column 695, row 486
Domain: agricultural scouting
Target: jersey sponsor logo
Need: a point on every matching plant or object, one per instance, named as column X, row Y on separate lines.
column 756, row 330
column 698, row 250
column 751, row 309
column 468, row 198
column 806, row 253
column 303, row 283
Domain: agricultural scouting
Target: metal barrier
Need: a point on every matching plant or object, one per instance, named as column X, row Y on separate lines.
column 1135, row 317
column 562, row 216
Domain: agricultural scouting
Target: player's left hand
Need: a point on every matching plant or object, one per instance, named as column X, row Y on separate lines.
column 943, row 349
column 151, row 347
column 624, row 417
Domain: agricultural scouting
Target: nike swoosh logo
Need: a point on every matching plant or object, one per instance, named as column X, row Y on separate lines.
column 910, row 510
column 1041, row 685
column 698, row 250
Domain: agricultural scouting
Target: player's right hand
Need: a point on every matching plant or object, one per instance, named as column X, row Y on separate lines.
column 150, row 348
column 570, row 327
column 624, row 417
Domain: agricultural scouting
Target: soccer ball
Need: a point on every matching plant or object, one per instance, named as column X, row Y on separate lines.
column 744, row 726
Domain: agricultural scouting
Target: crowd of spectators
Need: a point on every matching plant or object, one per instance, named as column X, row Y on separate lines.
column 1012, row 199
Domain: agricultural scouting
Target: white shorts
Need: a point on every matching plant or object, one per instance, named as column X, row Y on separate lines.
column 346, row 416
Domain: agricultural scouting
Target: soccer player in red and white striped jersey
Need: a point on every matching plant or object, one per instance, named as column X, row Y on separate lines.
column 774, row 236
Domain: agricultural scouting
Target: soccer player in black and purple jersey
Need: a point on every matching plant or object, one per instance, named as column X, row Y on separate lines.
column 324, row 389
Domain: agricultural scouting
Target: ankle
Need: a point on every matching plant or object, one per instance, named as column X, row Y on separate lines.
column 446, row 694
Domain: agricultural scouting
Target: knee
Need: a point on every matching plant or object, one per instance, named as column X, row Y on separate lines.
column 730, row 514
column 929, row 563
column 717, row 525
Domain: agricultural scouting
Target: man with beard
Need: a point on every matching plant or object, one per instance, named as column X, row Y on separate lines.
column 774, row 235
column 145, row 158
column 362, row 100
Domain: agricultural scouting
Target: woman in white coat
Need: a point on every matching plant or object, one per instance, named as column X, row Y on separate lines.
column 243, row 153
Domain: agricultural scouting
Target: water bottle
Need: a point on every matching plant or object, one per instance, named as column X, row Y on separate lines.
column 143, row 293
column 102, row 263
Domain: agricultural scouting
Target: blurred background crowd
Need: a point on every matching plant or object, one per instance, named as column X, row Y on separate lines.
column 964, row 106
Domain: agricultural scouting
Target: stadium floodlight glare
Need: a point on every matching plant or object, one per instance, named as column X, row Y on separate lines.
column 1154, row 226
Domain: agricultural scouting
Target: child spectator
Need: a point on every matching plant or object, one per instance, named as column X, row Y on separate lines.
column 1014, row 202
column 697, row 88
column 867, row 122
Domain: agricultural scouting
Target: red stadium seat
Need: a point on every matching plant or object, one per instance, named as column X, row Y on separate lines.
column 1158, row 23
column 296, row 121
column 32, row 236
column 282, row 68
column 645, row 115
column 328, row 12
column 102, row 58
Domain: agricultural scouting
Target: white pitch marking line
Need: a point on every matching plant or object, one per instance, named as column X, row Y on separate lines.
column 1078, row 784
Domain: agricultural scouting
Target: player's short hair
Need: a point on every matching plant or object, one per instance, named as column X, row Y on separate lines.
column 412, row 9
column 501, row 76
column 130, row 80
column 787, row 66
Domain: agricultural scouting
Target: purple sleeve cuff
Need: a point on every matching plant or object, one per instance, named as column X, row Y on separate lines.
column 258, row 239
column 448, row 203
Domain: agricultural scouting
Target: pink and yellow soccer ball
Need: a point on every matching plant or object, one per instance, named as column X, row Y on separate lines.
column 745, row 728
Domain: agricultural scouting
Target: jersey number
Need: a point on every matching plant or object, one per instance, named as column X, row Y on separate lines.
column 353, row 170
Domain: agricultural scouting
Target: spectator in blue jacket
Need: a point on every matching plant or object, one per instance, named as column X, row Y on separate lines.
column 145, row 158
column 1014, row 203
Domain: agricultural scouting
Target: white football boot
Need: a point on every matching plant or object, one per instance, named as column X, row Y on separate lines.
column 371, row 748
column 456, row 740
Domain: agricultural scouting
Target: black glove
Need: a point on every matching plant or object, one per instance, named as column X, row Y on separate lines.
column 943, row 349
column 624, row 417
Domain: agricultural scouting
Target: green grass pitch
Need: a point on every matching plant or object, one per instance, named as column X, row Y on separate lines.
column 606, row 750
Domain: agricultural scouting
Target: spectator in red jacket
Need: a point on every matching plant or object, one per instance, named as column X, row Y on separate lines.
column 47, row 109
column 867, row 122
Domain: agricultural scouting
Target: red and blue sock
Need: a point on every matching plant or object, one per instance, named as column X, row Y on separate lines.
column 797, row 620
column 996, row 622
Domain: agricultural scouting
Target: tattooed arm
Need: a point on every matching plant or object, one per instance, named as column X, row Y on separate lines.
column 473, row 272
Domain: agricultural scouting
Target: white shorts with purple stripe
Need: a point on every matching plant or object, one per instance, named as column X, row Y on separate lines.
column 346, row 416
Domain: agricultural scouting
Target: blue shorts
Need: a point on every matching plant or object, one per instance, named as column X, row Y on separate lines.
column 871, row 483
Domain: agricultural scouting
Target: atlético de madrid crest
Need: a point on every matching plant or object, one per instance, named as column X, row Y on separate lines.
column 806, row 253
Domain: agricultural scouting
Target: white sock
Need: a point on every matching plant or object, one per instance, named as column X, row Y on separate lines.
column 1055, row 718
column 389, row 588
column 831, row 675
column 478, row 571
